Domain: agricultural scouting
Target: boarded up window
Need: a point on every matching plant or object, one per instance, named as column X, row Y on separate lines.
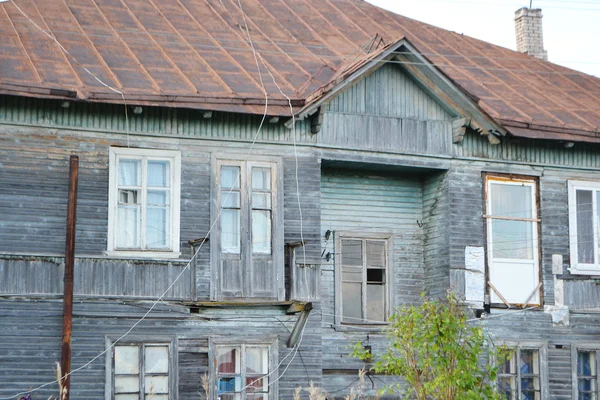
column 512, row 240
column 249, row 249
column 141, row 371
column 362, row 267
column 584, row 215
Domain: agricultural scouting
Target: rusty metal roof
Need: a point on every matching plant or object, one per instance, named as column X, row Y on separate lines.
column 196, row 54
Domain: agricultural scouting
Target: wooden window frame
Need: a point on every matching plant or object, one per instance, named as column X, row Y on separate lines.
column 174, row 158
column 363, row 236
column 271, row 344
column 542, row 355
column 530, row 181
column 577, row 268
column 140, row 342
column 587, row 347
column 246, row 163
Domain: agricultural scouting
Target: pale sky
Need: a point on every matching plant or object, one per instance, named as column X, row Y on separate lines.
column 571, row 27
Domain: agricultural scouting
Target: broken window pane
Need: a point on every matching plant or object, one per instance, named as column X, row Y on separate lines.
column 157, row 359
column 127, row 360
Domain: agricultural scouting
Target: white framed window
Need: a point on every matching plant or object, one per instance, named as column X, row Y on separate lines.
column 247, row 242
column 243, row 371
column 512, row 240
column 585, row 372
column 141, row 371
column 584, row 218
column 520, row 377
column 362, row 277
column 144, row 203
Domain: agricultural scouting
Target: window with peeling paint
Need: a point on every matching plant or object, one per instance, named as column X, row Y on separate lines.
column 144, row 202
column 584, row 217
column 242, row 372
column 248, row 239
column 141, row 371
column 586, row 383
column 361, row 263
column 512, row 240
column 519, row 377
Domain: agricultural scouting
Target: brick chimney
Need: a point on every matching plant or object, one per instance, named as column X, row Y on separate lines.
column 530, row 37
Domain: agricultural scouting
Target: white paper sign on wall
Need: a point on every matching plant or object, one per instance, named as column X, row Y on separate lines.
column 474, row 276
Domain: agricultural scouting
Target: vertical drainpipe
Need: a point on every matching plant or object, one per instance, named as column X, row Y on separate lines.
column 65, row 362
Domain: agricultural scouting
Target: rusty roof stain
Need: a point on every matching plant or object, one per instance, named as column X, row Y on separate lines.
column 196, row 54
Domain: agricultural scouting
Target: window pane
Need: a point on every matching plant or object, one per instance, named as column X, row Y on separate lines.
column 157, row 359
column 352, row 252
column 127, row 360
column 230, row 177
column 127, row 397
column 376, row 275
column 157, row 235
column 158, row 173
column 129, row 196
column 352, row 301
column 528, row 362
column 261, row 200
column 127, row 384
column 586, row 385
column 261, row 232
column 256, row 396
column 257, row 384
column 156, row 384
column 230, row 199
column 375, row 254
column 530, row 388
column 508, row 367
column 158, row 198
column 129, row 172
column 229, row 384
column 352, row 274
column 376, row 302
column 506, row 388
column 261, row 178
column 128, row 227
column 229, row 397
column 512, row 239
column 511, row 200
column 158, row 397
column 257, row 360
column 228, row 360
column 230, row 231
column 585, row 226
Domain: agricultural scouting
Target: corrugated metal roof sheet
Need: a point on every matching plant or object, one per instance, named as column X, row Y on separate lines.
column 195, row 53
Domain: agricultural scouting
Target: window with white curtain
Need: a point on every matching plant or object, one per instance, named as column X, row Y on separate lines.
column 584, row 218
column 144, row 194
column 141, row 371
column 512, row 240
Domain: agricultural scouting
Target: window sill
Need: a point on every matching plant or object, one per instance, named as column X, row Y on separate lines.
column 151, row 255
column 581, row 272
column 375, row 328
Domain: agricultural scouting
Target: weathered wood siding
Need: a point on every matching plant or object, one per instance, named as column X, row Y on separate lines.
column 31, row 335
column 387, row 111
column 33, row 175
column 369, row 202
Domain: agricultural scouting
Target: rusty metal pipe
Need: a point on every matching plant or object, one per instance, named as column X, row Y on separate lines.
column 65, row 361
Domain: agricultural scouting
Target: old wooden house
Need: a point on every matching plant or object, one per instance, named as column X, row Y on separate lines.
column 262, row 182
